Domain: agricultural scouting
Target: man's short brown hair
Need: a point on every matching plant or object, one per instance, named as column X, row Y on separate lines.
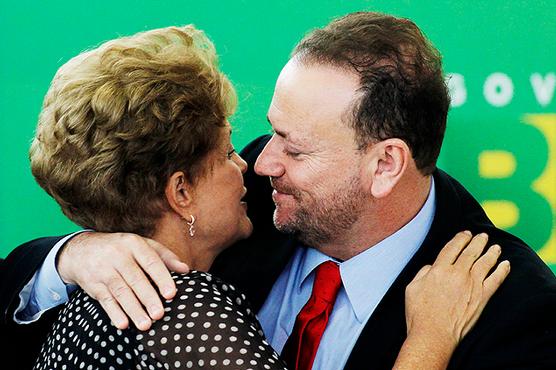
column 118, row 120
column 404, row 94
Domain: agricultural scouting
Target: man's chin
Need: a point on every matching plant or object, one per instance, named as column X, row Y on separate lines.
column 283, row 224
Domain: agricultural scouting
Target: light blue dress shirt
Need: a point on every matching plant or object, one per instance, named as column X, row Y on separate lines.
column 45, row 290
column 365, row 280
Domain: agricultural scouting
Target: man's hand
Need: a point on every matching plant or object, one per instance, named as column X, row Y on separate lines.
column 445, row 300
column 113, row 269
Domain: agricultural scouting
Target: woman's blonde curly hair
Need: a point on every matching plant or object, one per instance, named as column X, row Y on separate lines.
column 118, row 120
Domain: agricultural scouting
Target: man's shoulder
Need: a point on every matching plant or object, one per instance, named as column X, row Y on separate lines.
column 457, row 208
column 529, row 275
column 518, row 324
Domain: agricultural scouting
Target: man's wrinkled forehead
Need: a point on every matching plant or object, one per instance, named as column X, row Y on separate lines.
column 309, row 95
column 297, row 137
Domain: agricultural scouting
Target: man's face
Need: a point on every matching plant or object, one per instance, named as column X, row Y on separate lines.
column 312, row 160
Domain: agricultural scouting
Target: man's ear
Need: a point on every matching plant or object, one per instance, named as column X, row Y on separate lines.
column 386, row 164
column 178, row 193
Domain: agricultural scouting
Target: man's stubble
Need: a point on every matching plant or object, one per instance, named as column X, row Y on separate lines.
column 316, row 222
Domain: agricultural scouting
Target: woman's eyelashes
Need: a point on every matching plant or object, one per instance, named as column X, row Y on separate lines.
column 231, row 153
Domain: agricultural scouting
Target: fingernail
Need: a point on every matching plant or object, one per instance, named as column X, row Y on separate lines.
column 483, row 235
column 467, row 232
column 169, row 292
column 155, row 311
column 121, row 325
column 183, row 266
column 497, row 248
column 144, row 324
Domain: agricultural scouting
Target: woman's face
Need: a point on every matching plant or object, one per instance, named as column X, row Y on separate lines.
column 221, row 213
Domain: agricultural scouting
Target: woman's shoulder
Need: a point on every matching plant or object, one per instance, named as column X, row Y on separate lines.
column 204, row 279
column 205, row 291
column 196, row 289
column 209, row 323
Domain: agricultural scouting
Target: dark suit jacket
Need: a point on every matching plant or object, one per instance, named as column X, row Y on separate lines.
column 517, row 329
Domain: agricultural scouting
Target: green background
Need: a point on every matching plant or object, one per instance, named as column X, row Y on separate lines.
column 254, row 38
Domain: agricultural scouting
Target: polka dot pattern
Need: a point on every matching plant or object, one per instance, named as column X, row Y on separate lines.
column 208, row 325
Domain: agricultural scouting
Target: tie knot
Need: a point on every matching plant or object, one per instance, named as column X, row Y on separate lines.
column 327, row 281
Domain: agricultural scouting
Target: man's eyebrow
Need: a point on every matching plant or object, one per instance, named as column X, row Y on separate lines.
column 284, row 134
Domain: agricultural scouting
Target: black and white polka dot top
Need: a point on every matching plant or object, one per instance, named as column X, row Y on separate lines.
column 208, row 325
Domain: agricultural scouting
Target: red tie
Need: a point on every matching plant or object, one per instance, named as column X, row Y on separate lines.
column 302, row 345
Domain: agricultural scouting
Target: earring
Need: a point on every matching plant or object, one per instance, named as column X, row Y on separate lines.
column 191, row 226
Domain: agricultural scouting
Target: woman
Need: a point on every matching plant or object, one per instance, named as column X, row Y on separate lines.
column 134, row 137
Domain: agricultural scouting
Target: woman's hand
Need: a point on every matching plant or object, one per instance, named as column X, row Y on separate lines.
column 445, row 300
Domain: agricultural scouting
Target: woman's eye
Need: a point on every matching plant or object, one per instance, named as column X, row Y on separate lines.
column 231, row 153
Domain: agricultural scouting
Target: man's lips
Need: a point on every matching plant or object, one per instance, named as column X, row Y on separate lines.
column 280, row 191
column 278, row 196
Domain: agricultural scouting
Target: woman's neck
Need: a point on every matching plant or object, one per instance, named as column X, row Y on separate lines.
column 197, row 253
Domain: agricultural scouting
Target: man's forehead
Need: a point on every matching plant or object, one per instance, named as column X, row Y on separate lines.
column 315, row 89
column 314, row 74
column 297, row 135
column 311, row 97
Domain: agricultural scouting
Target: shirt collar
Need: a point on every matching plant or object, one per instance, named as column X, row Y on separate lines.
column 376, row 268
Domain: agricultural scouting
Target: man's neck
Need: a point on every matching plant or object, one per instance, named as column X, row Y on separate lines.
column 387, row 216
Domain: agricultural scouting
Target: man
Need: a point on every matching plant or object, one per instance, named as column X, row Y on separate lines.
column 358, row 114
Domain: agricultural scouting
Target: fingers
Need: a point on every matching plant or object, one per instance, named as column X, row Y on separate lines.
column 125, row 298
column 170, row 259
column 110, row 306
column 493, row 282
column 115, row 269
column 142, row 292
column 451, row 294
column 453, row 248
column 483, row 265
column 422, row 272
column 150, row 261
column 473, row 251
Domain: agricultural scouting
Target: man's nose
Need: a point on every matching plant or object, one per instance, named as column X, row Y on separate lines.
column 269, row 161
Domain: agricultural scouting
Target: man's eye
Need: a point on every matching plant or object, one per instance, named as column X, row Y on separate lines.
column 231, row 153
column 292, row 154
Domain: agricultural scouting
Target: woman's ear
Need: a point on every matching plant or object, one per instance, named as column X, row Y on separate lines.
column 386, row 164
column 178, row 193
